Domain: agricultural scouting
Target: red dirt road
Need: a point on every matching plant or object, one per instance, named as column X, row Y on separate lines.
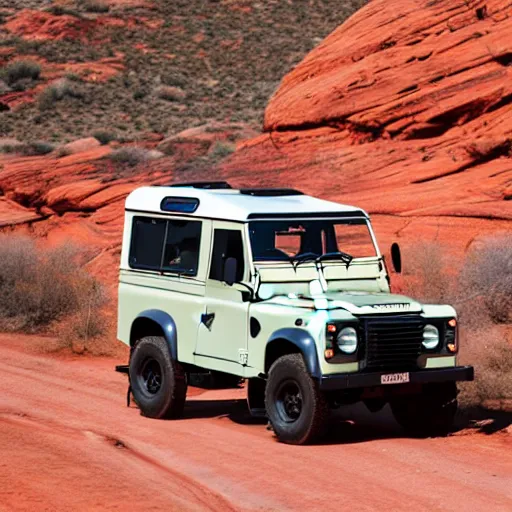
column 68, row 442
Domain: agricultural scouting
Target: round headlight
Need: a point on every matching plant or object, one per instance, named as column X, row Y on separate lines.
column 430, row 336
column 347, row 340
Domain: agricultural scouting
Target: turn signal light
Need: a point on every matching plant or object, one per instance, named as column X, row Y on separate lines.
column 452, row 322
column 452, row 347
column 331, row 328
column 329, row 353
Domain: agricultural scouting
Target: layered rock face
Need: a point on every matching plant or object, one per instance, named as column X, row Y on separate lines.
column 76, row 193
column 404, row 110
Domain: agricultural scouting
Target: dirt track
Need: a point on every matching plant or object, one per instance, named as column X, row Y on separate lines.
column 68, row 442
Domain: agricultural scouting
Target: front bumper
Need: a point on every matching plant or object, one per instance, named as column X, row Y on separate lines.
column 366, row 380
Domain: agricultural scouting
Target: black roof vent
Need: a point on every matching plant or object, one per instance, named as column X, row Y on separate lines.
column 270, row 192
column 208, row 185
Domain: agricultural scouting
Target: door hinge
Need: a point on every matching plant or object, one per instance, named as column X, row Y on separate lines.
column 243, row 356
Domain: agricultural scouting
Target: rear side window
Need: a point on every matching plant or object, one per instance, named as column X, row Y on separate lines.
column 227, row 243
column 181, row 252
column 147, row 242
column 165, row 245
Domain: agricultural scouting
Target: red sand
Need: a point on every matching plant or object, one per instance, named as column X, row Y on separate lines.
column 68, row 442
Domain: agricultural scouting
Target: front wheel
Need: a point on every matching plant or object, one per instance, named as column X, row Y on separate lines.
column 158, row 383
column 430, row 413
column 296, row 408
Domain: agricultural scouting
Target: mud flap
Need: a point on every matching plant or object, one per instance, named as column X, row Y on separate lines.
column 124, row 368
column 256, row 397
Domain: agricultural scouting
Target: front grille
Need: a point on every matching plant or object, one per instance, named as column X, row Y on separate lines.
column 393, row 343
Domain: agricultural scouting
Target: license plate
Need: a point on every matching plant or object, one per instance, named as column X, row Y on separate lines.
column 394, row 378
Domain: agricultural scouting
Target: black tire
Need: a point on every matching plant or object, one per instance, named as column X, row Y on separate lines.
column 430, row 413
column 296, row 408
column 159, row 384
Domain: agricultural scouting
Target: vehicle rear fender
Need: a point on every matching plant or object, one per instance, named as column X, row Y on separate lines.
column 154, row 322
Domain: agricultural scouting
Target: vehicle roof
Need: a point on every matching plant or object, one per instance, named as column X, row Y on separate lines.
column 233, row 205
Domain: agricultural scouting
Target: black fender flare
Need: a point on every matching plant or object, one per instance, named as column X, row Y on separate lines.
column 166, row 323
column 303, row 340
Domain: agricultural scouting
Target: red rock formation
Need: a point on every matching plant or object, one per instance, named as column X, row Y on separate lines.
column 41, row 25
column 79, row 198
column 405, row 110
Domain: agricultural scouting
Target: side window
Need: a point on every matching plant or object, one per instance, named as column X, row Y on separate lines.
column 181, row 252
column 147, row 243
column 227, row 243
column 165, row 245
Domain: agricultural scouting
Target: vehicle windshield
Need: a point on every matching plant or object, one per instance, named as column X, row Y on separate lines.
column 292, row 240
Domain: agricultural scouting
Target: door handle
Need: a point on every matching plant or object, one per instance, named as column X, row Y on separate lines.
column 207, row 319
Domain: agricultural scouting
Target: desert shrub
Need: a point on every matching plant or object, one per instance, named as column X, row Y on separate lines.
column 35, row 148
column 481, row 292
column 61, row 10
column 104, row 136
column 96, row 6
column 57, row 91
column 490, row 352
column 425, row 273
column 4, row 88
column 87, row 324
column 62, row 151
column 221, row 150
column 131, row 156
column 487, row 277
column 170, row 93
column 40, row 286
column 19, row 70
column 9, row 145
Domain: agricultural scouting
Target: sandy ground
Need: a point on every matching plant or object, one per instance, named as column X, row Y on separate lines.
column 68, row 442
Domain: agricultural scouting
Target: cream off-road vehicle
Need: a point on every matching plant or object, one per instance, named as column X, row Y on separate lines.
column 286, row 291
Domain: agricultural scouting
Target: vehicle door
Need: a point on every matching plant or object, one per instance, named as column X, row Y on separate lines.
column 223, row 330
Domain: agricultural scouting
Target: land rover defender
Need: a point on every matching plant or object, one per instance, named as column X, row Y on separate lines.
column 287, row 291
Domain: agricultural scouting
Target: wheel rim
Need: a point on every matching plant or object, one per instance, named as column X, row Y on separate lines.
column 289, row 401
column 151, row 376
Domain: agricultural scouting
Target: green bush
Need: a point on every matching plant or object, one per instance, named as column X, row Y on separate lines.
column 104, row 136
column 60, row 10
column 29, row 148
column 96, row 6
column 19, row 70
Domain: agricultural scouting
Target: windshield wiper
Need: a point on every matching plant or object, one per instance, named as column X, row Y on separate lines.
column 343, row 256
column 303, row 258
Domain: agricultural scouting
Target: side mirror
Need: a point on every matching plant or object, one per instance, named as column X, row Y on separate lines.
column 230, row 271
column 396, row 257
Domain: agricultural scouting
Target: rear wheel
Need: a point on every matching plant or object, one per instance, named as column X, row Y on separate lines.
column 430, row 413
column 296, row 408
column 159, row 384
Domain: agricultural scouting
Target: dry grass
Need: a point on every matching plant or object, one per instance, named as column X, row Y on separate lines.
column 44, row 289
column 481, row 292
column 132, row 156
column 57, row 91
